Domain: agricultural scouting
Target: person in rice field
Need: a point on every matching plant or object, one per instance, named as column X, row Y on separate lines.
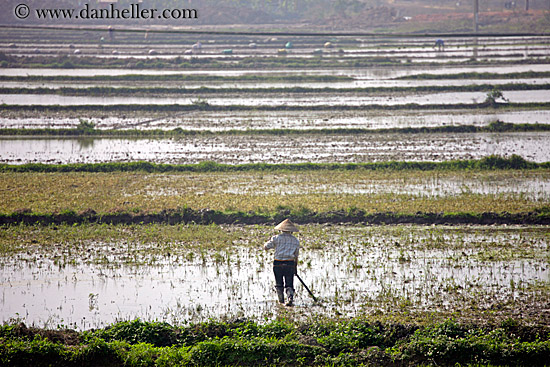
column 285, row 263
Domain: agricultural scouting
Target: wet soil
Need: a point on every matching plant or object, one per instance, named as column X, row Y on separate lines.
column 207, row 216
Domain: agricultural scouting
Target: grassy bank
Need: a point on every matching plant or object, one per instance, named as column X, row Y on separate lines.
column 477, row 75
column 335, row 60
column 205, row 106
column 281, row 342
column 515, row 162
column 65, row 62
column 276, row 78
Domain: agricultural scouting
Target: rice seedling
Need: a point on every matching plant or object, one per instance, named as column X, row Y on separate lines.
column 405, row 272
column 261, row 192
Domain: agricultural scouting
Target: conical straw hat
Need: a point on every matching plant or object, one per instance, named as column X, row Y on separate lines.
column 287, row 226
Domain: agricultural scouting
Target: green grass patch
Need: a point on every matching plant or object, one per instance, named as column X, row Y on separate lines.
column 514, row 162
column 180, row 78
column 210, row 192
column 283, row 343
column 477, row 75
column 340, row 61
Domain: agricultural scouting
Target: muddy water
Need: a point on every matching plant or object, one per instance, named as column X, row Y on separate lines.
column 361, row 73
column 290, row 100
column 241, row 120
column 363, row 83
column 353, row 270
column 534, row 186
column 275, row 149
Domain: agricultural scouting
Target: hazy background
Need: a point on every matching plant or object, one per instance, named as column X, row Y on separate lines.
column 337, row 15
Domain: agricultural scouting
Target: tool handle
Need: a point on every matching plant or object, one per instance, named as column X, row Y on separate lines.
column 305, row 286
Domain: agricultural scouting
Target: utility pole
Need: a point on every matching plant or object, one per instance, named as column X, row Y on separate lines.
column 476, row 26
column 476, row 11
column 526, row 5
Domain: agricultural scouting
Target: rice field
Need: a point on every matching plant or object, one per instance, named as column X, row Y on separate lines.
column 373, row 191
column 92, row 275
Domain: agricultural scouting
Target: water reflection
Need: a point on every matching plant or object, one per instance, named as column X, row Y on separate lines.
column 447, row 98
column 276, row 149
column 85, row 143
column 369, row 73
column 242, row 120
column 352, row 269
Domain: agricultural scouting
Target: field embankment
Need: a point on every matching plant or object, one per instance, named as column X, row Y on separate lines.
column 282, row 343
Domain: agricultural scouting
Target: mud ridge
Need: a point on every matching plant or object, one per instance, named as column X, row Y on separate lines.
column 218, row 108
column 119, row 91
column 207, row 216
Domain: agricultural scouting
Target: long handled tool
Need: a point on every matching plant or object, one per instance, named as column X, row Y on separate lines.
column 305, row 286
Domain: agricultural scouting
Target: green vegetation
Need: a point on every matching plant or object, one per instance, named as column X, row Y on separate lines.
column 282, row 342
column 488, row 163
column 145, row 239
column 181, row 78
column 265, row 62
column 476, row 75
column 64, row 62
column 260, row 78
column 228, row 108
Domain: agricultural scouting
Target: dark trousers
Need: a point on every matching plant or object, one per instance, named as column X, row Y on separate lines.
column 284, row 273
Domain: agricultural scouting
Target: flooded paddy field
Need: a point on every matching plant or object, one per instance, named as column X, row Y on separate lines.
column 426, row 50
column 231, row 94
column 258, row 120
column 279, row 99
column 234, row 149
column 136, row 46
column 352, row 83
column 375, row 72
column 93, row 276
column 409, row 56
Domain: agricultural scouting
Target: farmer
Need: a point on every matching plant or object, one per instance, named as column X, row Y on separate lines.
column 286, row 259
